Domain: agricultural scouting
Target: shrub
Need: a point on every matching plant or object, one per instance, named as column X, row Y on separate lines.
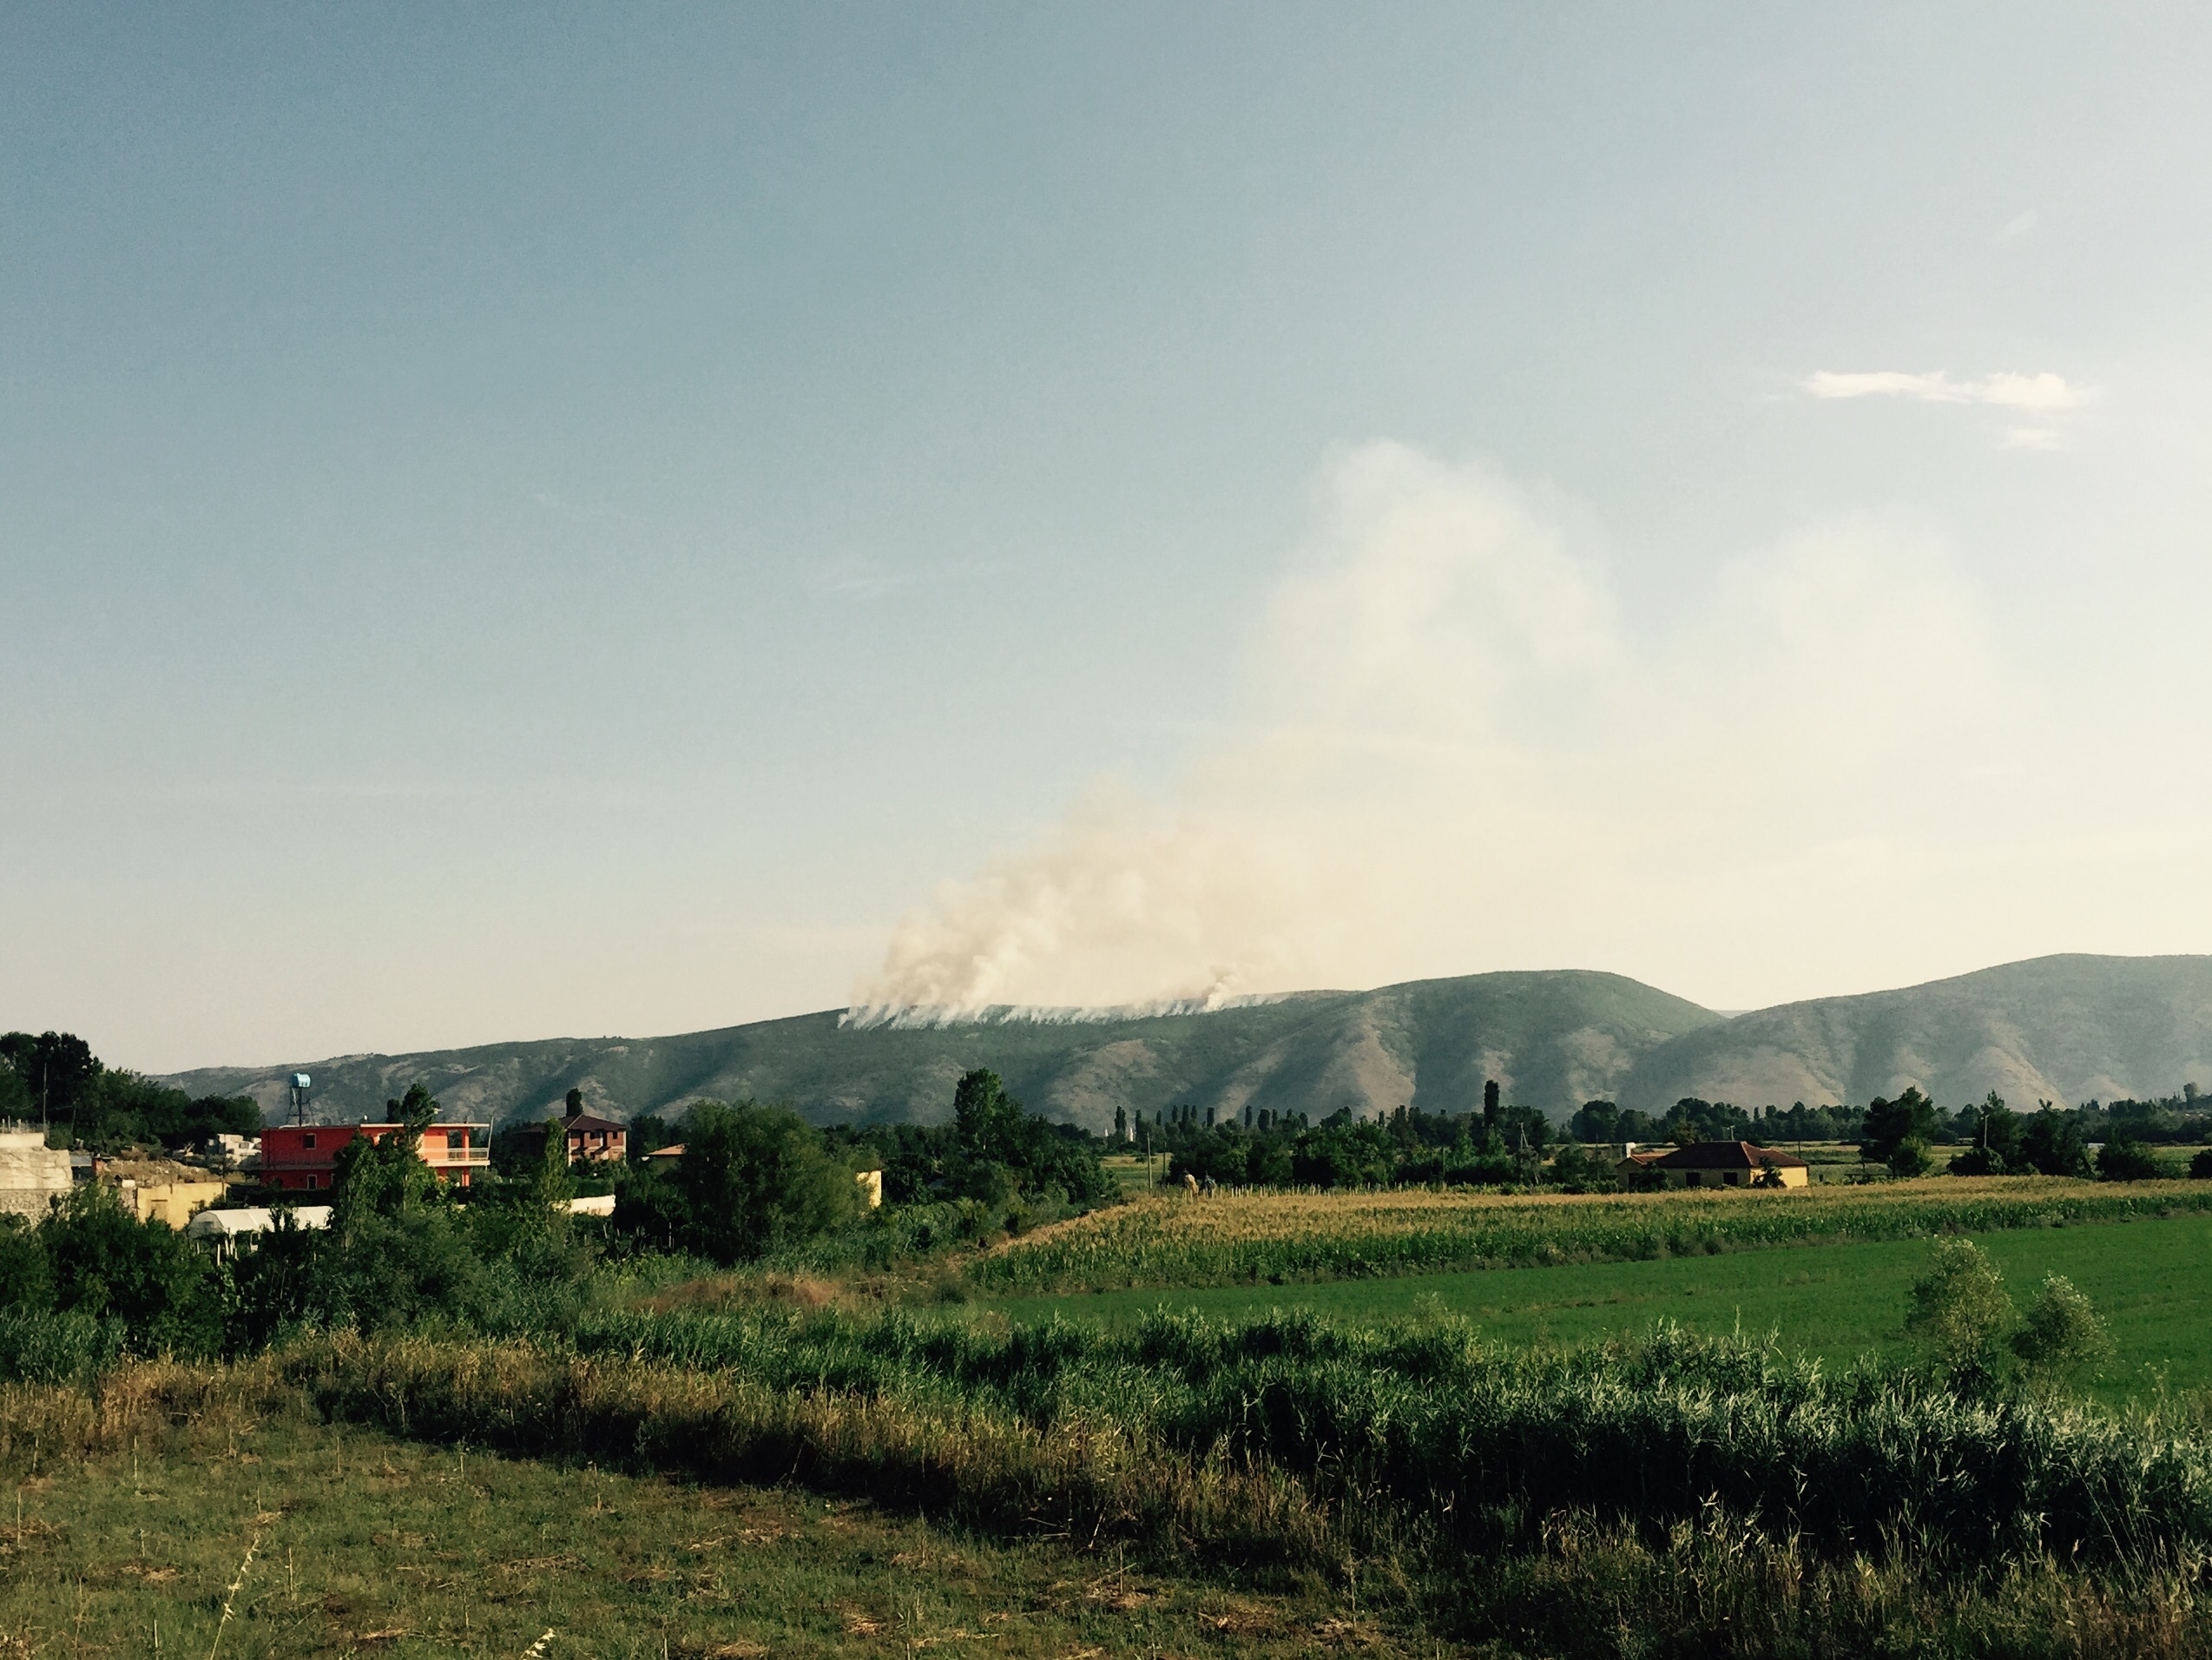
column 106, row 1264
column 1959, row 1308
column 2200, row 1166
column 2125, row 1159
column 40, row 1346
column 26, row 1277
column 2062, row 1333
column 755, row 1178
column 1909, row 1157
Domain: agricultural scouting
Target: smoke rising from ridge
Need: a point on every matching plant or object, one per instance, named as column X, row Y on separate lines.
column 1453, row 751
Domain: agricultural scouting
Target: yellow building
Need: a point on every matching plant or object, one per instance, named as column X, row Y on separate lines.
column 1727, row 1164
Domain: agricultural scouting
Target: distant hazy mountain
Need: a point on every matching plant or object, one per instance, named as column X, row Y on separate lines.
column 2064, row 1029
column 1552, row 1040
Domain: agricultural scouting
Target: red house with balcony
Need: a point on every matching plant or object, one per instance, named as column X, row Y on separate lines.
column 303, row 1158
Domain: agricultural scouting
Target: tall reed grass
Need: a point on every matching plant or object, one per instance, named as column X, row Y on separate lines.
column 1676, row 1496
column 1291, row 1422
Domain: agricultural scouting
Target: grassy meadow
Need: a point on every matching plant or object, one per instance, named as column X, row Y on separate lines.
column 126, row 1529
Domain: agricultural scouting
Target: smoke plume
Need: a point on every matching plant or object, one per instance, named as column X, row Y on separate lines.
column 1455, row 750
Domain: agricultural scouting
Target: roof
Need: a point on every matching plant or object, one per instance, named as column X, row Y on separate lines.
column 1650, row 1157
column 252, row 1220
column 1727, row 1156
column 587, row 1121
column 667, row 1152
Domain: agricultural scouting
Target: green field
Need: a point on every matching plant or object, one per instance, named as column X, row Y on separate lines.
column 2150, row 1278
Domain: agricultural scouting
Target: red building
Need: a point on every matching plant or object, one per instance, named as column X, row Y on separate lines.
column 303, row 1158
column 589, row 1140
column 595, row 1141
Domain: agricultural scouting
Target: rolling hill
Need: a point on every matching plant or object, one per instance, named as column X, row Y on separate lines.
column 1554, row 1039
column 2065, row 1029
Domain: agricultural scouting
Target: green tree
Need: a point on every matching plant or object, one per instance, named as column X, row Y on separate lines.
column 1909, row 1157
column 551, row 1184
column 2050, row 1144
column 1996, row 1131
column 26, row 1277
column 1911, row 1116
column 56, row 1067
column 2061, row 1334
column 1570, row 1166
column 400, row 1256
column 386, row 1177
column 755, row 1178
column 2125, row 1159
column 988, row 1121
column 107, row 1264
column 1595, row 1121
column 1960, row 1309
column 16, row 1104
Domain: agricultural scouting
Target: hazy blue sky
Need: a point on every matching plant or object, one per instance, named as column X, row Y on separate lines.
column 530, row 520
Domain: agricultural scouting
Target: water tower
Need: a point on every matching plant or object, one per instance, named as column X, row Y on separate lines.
column 301, row 1084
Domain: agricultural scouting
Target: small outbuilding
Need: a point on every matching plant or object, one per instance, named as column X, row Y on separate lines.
column 224, row 1228
column 1727, row 1164
column 31, row 1173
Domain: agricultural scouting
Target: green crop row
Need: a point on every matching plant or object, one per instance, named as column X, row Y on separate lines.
column 1186, row 1242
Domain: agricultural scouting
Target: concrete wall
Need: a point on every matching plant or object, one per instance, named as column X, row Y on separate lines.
column 30, row 1172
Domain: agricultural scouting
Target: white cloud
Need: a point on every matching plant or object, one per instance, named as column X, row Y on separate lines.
column 1456, row 753
column 2042, row 393
column 2030, row 438
column 2019, row 226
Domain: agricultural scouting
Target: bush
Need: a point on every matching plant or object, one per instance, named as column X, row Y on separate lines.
column 2062, row 1333
column 106, row 1264
column 1909, row 1157
column 26, row 1277
column 1959, row 1308
column 755, row 1179
column 40, row 1346
column 2124, row 1159
column 2200, row 1166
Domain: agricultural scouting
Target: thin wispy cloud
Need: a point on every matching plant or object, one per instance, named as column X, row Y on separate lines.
column 2019, row 226
column 869, row 579
column 2044, row 393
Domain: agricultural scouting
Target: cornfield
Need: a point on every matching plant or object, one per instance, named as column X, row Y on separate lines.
column 1249, row 1238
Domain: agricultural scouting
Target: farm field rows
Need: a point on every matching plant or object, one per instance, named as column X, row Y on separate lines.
column 1180, row 1242
column 2150, row 1278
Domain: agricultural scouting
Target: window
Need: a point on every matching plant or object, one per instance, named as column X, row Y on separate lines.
column 308, row 1141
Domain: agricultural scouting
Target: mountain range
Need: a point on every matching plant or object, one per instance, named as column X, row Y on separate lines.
column 2065, row 1028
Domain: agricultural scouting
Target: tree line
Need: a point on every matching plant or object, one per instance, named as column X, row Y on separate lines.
column 54, row 1079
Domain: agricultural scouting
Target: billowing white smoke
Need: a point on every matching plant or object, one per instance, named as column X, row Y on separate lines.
column 1456, row 754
